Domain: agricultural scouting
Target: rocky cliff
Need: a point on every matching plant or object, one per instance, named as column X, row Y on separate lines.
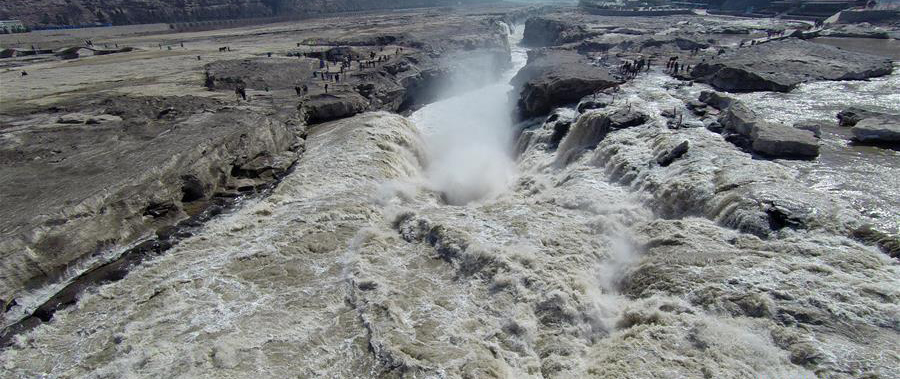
column 122, row 12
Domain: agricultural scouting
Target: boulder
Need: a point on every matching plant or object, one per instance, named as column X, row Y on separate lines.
column 626, row 118
column 715, row 99
column 557, row 77
column 853, row 115
column 738, row 118
column 881, row 129
column 781, row 141
column 782, row 65
column 666, row 158
column 597, row 101
column 743, row 127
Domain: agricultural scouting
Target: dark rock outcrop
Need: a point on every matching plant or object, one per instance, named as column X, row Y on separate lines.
column 782, row 65
column 853, row 115
column 743, row 127
column 782, row 141
column 715, row 99
column 880, row 129
column 556, row 77
column 670, row 156
column 326, row 107
column 549, row 31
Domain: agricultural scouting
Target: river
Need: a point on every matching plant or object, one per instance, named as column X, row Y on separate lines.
column 425, row 248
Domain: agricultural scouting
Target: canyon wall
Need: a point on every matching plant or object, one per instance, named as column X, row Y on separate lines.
column 123, row 12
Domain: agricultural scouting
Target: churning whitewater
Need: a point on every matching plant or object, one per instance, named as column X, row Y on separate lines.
column 449, row 245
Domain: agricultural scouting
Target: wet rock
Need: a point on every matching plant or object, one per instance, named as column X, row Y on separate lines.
column 738, row 118
column 626, row 117
column 782, row 65
column 853, row 115
column 781, row 141
column 745, row 128
column 881, row 129
column 595, row 101
column 557, row 77
column 592, row 127
column 715, row 99
column 670, row 156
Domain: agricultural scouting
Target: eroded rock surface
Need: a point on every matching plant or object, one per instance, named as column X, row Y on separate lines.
column 782, row 65
column 556, row 77
column 74, row 190
column 878, row 129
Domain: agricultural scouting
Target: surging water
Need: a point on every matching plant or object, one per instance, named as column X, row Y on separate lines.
column 469, row 138
column 352, row 269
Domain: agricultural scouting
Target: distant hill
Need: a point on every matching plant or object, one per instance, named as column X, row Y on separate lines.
column 123, row 12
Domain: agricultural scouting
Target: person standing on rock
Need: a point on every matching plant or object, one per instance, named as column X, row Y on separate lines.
column 326, row 87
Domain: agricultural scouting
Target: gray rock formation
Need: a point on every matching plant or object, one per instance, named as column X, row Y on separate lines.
column 782, row 65
column 151, row 163
column 556, row 77
column 880, row 129
column 782, row 141
column 743, row 126
column 592, row 127
column 853, row 115
column 326, row 107
column 551, row 31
